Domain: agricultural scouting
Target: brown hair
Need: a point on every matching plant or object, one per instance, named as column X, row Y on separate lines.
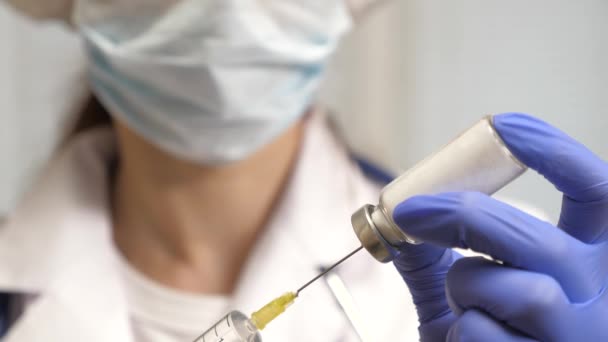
column 92, row 115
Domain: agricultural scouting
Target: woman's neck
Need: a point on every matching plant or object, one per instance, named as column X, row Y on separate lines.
column 192, row 227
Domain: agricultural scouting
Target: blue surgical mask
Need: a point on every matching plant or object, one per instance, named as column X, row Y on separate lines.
column 211, row 81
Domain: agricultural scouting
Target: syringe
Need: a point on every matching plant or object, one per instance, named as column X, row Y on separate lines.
column 234, row 327
column 237, row 327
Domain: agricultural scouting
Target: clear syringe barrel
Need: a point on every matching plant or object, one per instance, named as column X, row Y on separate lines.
column 477, row 160
column 234, row 327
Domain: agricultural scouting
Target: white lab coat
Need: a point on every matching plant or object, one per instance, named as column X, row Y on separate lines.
column 57, row 247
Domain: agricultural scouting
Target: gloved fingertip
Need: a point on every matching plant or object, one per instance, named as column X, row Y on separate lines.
column 450, row 219
column 413, row 208
column 413, row 214
column 569, row 165
column 506, row 118
column 517, row 128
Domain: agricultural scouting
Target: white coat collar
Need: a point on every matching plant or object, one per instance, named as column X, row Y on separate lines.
column 59, row 243
column 56, row 244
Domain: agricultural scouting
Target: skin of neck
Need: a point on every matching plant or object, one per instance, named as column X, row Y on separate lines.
column 192, row 227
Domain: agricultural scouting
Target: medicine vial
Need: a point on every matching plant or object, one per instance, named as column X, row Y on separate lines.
column 477, row 160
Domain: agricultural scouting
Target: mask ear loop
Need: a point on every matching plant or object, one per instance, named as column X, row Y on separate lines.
column 361, row 9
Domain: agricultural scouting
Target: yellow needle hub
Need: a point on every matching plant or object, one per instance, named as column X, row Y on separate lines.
column 272, row 310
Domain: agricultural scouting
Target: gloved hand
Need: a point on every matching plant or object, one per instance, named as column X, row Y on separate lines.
column 551, row 285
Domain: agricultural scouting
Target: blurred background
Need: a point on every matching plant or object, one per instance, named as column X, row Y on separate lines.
column 413, row 75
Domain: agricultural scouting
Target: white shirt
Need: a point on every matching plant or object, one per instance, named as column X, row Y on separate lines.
column 58, row 247
column 162, row 314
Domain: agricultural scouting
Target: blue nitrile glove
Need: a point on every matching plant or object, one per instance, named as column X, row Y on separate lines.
column 552, row 284
column 424, row 268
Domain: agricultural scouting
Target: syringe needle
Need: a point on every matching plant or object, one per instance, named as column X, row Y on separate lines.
column 328, row 269
column 272, row 310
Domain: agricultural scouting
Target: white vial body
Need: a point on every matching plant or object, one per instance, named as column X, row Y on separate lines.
column 477, row 160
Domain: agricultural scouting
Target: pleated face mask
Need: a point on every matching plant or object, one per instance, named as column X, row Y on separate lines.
column 62, row 9
column 210, row 81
